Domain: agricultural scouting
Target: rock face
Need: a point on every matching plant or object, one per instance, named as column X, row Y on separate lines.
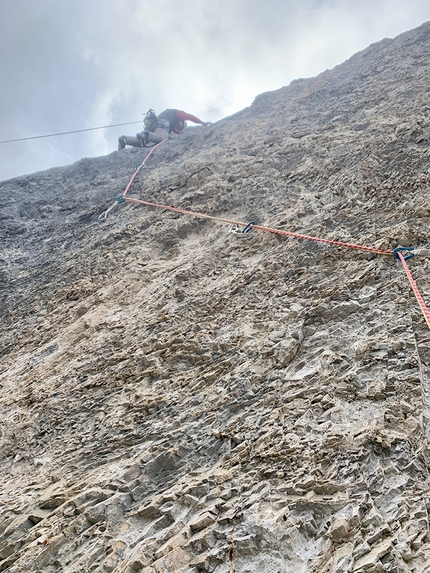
column 175, row 397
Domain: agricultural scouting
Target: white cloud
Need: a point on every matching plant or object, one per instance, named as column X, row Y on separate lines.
column 83, row 63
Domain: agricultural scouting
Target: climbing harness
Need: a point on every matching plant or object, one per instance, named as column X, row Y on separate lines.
column 247, row 227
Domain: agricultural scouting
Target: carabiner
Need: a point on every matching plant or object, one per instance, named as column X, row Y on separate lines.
column 248, row 227
column 397, row 249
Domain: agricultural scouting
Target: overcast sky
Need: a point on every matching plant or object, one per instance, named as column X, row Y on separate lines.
column 75, row 64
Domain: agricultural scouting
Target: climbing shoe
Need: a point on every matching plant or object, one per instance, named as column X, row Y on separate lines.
column 121, row 142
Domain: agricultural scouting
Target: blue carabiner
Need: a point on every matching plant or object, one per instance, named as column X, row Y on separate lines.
column 397, row 249
column 120, row 199
column 248, row 227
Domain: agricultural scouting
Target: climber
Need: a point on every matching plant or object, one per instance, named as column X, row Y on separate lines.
column 157, row 128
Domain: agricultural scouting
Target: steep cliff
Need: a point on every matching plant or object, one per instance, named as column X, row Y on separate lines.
column 178, row 397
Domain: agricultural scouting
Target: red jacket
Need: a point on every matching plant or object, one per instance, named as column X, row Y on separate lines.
column 175, row 116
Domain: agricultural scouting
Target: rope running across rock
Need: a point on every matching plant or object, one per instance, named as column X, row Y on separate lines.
column 396, row 252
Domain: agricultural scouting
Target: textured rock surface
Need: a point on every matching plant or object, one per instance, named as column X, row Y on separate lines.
column 176, row 397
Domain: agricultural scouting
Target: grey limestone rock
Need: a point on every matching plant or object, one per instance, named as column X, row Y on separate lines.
column 178, row 397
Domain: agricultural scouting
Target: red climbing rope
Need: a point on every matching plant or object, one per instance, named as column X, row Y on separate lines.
column 249, row 226
column 258, row 227
column 140, row 167
column 417, row 293
column 297, row 236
